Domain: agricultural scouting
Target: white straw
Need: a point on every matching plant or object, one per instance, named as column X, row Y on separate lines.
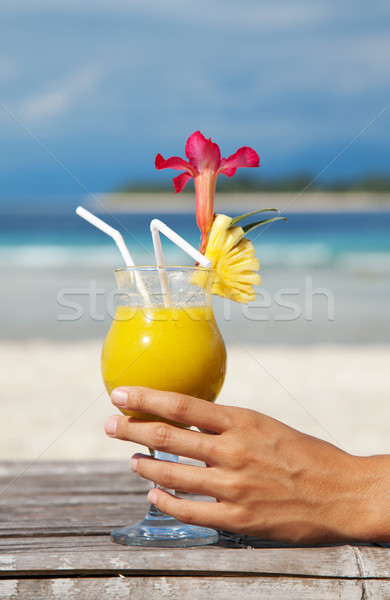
column 114, row 233
column 157, row 226
column 160, row 262
column 118, row 239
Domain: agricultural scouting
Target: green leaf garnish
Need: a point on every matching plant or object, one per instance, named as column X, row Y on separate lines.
column 247, row 228
column 255, row 212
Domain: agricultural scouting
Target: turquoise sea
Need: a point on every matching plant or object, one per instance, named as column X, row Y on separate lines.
column 326, row 276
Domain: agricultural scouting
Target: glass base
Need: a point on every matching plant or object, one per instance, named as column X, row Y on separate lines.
column 162, row 531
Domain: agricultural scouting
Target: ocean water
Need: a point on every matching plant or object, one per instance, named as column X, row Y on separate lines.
column 36, row 240
column 326, row 276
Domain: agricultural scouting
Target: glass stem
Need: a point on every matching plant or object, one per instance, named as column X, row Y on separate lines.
column 153, row 510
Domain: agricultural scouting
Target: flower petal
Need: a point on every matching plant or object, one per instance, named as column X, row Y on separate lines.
column 180, row 181
column 202, row 153
column 244, row 157
column 179, row 164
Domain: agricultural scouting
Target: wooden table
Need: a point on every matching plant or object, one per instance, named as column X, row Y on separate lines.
column 55, row 524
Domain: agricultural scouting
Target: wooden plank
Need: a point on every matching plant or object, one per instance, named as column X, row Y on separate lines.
column 71, row 515
column 91, row 555
column 69, row 498
column 46, row 478
column 72, row 518
column 18, row 479
column 375, row 589
column 373, row 561
column 174, row 588
column 97, row 470
column 12, row 468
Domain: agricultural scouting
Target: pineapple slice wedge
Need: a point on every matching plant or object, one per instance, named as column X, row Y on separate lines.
column 233, row 260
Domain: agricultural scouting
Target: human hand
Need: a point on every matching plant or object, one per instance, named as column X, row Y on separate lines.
column 269, row 480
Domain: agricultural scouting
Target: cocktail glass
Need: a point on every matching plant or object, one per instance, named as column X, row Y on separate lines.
column 168, row 342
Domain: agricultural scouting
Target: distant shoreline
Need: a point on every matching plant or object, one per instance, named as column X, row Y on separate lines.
column 245, row 202
column 229, row 203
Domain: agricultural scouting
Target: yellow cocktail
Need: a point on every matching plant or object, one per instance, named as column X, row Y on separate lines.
column 167, row 341
column 165, row 348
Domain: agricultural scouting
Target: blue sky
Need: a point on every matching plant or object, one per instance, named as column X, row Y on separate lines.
column 105, row 85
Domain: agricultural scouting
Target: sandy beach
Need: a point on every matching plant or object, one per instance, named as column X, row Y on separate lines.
column 312, row 201
column 54, row 403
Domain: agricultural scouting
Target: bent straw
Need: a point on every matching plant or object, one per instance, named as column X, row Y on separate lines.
column 113, row 233
column 118, row 239
column 157, row 227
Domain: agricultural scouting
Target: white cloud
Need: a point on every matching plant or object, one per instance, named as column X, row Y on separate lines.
column 61, row 96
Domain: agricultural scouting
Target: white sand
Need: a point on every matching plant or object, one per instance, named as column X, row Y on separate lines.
column 54, row 404
column 247, row 201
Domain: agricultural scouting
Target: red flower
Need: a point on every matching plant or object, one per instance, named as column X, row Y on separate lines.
column 204, row 165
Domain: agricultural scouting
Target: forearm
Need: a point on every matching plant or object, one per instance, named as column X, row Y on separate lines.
column 375, row 498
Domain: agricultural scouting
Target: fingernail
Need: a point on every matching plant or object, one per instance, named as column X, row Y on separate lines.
column 134, row 463
column 111, row 424
column 119, row 397
column 152, row 497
